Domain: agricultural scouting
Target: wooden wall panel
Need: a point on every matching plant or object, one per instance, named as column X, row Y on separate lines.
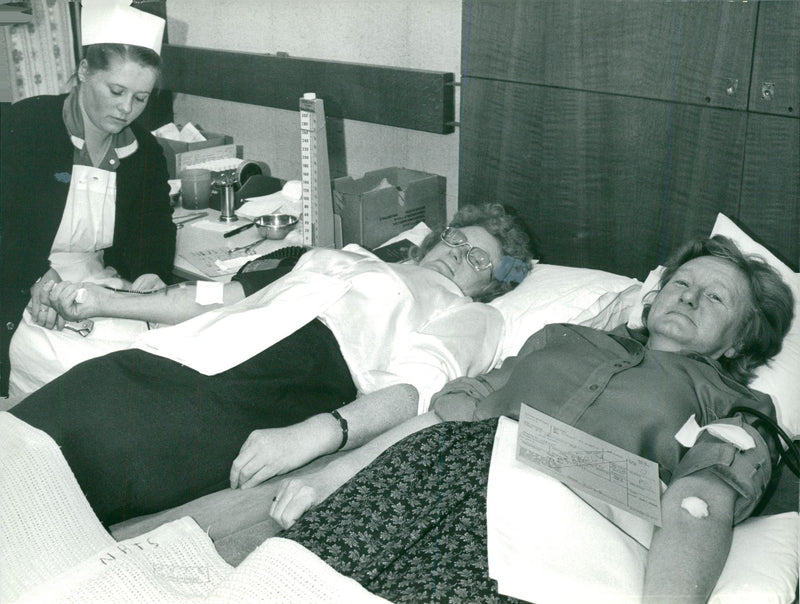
column 607, row 182
column 606, row 125
column 691, row 52
column 770, row 200
column 777, row 59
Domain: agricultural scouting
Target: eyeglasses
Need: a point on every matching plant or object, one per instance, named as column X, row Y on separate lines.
column 477, row 258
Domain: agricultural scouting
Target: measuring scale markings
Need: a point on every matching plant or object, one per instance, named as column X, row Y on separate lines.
column 307, row 148
column 317, row 220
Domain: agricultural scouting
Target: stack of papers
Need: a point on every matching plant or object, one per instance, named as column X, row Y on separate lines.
column 285, row 201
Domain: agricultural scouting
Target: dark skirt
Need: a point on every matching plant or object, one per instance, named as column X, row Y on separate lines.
column 411, row 527
column 143, row 433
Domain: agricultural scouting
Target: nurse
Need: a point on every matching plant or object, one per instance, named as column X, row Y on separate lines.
column 84, row 196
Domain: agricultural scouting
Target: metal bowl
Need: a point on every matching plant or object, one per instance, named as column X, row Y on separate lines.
column 275, row 226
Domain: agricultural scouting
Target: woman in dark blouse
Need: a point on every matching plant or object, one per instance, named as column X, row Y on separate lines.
column 414, row 523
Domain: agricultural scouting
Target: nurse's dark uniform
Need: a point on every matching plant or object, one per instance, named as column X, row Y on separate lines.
column 103, row 223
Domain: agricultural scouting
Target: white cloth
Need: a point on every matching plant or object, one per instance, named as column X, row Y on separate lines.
column 87, row 224
column 40, row 355
column 394, row 323
column 539, row 533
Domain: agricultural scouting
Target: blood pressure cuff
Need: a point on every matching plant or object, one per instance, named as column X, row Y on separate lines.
column 261, row 271
column 747, row 472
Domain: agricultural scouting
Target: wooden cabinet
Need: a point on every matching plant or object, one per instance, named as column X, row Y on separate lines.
column 775, row 85
column 626, row 125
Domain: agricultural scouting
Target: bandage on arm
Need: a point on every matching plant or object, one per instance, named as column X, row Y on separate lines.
column 745, row 468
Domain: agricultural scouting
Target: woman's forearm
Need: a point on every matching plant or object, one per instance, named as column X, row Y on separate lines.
column 169, row 305
column 273, row 451
column 688, row 552
column 297, row 495
column 359, row 458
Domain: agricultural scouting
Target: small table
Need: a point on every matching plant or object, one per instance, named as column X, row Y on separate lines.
column 201, row 242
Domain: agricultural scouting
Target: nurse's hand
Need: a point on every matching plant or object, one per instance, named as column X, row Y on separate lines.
column 77, row 301
column 147, row 283
column 41, row 313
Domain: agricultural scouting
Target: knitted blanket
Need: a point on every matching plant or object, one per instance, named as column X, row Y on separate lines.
column 54, row 549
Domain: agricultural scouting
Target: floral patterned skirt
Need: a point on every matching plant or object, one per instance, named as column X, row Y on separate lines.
column 411, row 527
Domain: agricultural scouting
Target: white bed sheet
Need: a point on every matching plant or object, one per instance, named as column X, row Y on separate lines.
column 547, row 545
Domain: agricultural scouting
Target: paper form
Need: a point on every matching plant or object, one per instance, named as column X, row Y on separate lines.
column 206, row 260
column 589, row 464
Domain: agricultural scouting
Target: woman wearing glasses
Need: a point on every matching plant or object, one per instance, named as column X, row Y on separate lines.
column 143, row 432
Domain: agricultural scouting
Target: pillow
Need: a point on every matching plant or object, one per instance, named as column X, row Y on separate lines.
column 564, row 294
column 555, row 294
column 780, row 378
column 539, row 551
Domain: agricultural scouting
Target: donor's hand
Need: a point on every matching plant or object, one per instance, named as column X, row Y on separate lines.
column 269, row 452
column 77, row 301
column 147, row 283
column 295, row 496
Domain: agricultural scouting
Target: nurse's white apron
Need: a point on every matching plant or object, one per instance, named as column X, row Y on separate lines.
column 39, row 355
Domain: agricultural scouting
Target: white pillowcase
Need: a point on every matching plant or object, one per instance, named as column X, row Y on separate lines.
column 555, row 294
column 781, row 377
column 564, row 294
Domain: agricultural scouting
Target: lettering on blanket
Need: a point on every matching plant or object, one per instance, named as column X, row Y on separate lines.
column 123, row 549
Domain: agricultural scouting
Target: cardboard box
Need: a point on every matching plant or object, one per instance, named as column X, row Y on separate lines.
column 384, row 203
column 173, row 148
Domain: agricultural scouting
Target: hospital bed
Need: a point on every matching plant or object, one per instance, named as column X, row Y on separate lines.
column 224, row 546
column 613, row 160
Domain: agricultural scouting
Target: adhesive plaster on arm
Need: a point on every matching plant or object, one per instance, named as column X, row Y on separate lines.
column 695, row 506
column 733, row 435
column 209, row 292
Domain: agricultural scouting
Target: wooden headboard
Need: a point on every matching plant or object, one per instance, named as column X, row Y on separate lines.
column 620, row 129
column 415, row 99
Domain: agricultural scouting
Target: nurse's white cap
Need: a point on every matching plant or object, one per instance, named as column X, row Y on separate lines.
column 116, row 22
